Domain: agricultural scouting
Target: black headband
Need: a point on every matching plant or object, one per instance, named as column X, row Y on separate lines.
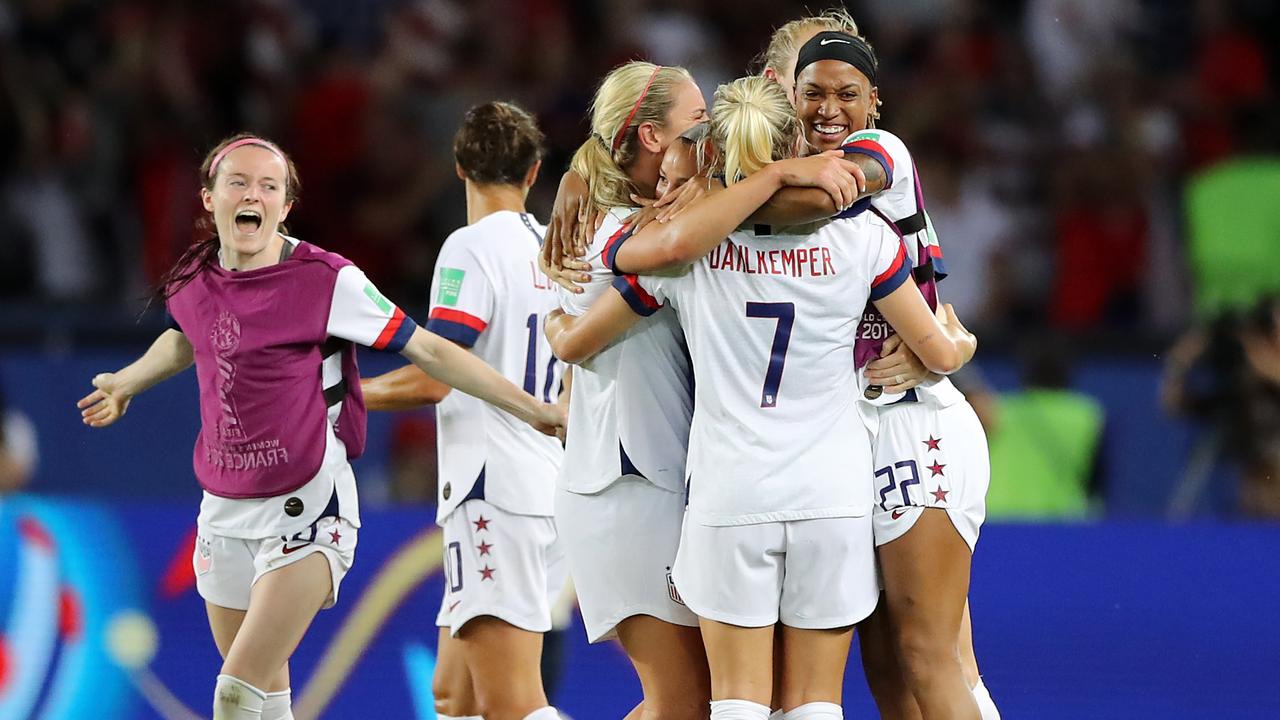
column 832, row 45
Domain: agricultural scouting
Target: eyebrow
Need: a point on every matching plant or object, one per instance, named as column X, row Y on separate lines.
column 852, row 85
column 246, row 176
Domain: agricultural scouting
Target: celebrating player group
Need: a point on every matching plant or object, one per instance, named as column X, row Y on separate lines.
column 710, row 395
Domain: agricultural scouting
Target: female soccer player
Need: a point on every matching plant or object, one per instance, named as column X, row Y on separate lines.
column 778, row 527
column 932, row 468
column 269, row 322
column 504, row 565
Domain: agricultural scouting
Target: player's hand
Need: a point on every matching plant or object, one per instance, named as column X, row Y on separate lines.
column 673, row 201
column 549, row 419
column 647, row 213
column 106, row 404
column 897, row 369
column 842, row 179
column 569, row 273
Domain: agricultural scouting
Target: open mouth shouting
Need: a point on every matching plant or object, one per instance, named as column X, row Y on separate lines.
column 248, row 222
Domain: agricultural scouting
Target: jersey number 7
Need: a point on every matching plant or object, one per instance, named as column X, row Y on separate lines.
column 785, row 314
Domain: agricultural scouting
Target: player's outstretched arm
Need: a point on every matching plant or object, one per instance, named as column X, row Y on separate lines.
column 576, row 338
column 940, row 341
column 799, row 205
column 705, row 224
column 169, row 355
column 404, row 388
column 460, row 369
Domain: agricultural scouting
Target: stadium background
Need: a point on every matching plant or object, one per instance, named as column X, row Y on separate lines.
column 1103, row 175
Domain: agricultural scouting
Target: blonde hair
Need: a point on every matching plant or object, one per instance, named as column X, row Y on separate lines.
column 752, row 124
column 783, row 44
column 629, row 96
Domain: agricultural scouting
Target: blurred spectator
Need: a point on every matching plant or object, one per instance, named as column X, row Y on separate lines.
column 1044, row 441
column 18, row 451
column 1226, row 374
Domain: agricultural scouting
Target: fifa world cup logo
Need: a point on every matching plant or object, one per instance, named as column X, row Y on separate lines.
column 226, row 338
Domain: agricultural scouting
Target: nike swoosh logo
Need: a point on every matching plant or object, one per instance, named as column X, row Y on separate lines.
column 286, row 549
column 828, row 41
column 897, row 513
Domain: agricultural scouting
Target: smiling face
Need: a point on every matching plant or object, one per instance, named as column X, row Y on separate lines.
column 248, row 198
column 833, row 99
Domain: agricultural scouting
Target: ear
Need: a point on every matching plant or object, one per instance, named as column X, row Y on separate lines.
column 648, row 135
column 457, row 169
column 532, row 176
column 771, row 74
column 206, row 199
column 285, row 212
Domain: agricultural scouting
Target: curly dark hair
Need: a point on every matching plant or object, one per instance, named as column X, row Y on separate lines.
column 498, row 143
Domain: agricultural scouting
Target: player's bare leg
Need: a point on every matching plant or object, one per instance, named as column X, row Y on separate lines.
column 225, row 623
column 505, row 666
column 452, row 688
column 926, row 579
column 740, row 660
column 968, row 660
column 880, row 666
column 672, row 666
column 282, row 605
column 813, row 663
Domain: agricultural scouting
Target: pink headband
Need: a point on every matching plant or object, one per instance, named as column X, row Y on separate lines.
column 213, row 166
column 617, row 139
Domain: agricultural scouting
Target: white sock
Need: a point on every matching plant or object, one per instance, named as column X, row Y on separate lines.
column 986, row 706
column 235, row 699
column 775, row 715
column 738, row 710
column 278, row 706
column 816, row 711
column 546, row 713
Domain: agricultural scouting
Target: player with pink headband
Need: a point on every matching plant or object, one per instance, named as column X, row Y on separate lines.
column 271, row 324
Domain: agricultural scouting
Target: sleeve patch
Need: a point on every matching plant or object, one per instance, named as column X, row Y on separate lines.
column 450, row 285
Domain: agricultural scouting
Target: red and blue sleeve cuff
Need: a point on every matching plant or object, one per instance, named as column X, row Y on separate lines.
column 935, row 258
column 611, row 247
column 641, row 302
column 456, row 325
column 395, row 335
column 875, row 151
column 892, row 278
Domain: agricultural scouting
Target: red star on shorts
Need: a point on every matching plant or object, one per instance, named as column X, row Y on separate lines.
column 932, row 443
column 483, row 547
column 481, row 524
column 334, row 537
column 936, row 468
column 940, row 495
column 487, row 573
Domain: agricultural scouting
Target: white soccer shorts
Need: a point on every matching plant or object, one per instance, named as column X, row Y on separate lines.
column 930, row 457
column 227, row 568
column 621, row 544
column 810, row 574
column 502, row 565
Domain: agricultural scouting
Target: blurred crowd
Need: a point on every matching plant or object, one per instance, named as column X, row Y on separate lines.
column 1055, row 137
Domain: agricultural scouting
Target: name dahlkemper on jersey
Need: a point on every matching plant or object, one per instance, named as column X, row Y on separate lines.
column 794, row 262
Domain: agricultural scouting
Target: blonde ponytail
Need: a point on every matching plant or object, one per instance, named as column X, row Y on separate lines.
column 629, row 96
column 752, row 124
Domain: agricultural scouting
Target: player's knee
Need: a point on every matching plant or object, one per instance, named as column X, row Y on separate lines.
column 235, row 699
column 925, row 656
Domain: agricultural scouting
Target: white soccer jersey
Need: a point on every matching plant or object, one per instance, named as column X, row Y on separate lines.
column 358, row 313
column 630, row 405
column 770, row 323
column 489, row 295
column 901, row 203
